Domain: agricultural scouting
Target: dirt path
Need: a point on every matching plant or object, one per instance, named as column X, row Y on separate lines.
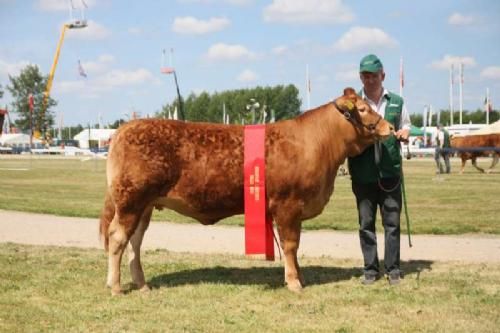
column 37, row 229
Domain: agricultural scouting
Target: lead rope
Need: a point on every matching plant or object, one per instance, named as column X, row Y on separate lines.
column 407, row 216
column 270, row 225
column 400, row 181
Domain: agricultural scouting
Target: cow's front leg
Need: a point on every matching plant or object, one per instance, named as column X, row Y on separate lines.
column 289, row 239
column 134, row 251
column 463, row 165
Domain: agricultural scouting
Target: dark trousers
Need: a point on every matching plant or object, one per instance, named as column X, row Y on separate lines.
column 387, row 196
column 446, row 157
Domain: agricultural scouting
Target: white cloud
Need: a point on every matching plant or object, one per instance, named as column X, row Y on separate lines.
column 210, row 2
column 116, row 77
column 63, row 5
column 221, row 51
column 135, row 31
column 92, row 87
column 247, row 76
column 362, row 38
column 449, row 60
column 279, row 50
column 94, row 31
column 98, row 67
column 11, row 68
column 308, row 12
column 459, row 19
column 192, row 25
column 65, row 87
column 491, row 72
column 347, row 73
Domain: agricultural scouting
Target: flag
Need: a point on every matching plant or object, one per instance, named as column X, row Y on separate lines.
column 31, row 102
column 487, row 105
column 401, row 75
column 167, row 70
column 80, row 70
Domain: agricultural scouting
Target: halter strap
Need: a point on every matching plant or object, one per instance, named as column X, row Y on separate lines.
column 349, row 117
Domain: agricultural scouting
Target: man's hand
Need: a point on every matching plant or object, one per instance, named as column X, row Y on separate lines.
column 403, row 134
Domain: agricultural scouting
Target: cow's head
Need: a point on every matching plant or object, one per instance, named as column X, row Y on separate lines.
column 358, row 112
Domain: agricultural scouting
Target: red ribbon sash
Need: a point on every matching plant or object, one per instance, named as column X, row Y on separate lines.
column 258, row 226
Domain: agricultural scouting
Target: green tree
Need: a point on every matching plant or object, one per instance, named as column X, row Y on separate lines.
column 474, row 117
column 281, row 100
column 31, row 81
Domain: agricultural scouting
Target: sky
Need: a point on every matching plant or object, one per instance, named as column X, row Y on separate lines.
column 223, row 45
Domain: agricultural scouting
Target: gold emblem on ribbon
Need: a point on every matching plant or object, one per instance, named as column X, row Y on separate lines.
column 255, row 184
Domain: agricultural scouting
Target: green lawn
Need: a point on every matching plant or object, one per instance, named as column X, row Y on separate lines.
column 54, row 289
column 453, row 204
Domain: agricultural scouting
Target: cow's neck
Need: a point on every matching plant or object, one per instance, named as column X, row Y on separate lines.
column 335, row 136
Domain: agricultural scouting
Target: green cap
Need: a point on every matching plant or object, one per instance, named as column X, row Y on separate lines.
column 370, row 63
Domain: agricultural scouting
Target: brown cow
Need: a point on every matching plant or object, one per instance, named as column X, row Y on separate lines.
column 477, row 141
column 196, row 169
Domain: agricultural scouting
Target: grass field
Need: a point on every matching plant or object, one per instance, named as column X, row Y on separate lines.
column 452, row 204
column 51, row 289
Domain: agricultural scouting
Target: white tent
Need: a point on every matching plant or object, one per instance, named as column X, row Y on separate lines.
column 16, row 139
column 488, row 129
column 101, row 135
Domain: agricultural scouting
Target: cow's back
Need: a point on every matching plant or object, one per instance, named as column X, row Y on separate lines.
column 193, row 168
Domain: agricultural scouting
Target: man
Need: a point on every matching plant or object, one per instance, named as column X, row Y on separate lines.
column 442, row 149
column 376, row 176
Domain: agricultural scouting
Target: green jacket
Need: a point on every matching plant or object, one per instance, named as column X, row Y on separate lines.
column 363, row 168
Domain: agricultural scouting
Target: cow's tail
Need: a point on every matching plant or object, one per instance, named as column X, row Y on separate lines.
column 107, row 214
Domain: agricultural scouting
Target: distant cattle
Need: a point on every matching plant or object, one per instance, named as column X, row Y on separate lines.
column 196, row 169
column 470, row 147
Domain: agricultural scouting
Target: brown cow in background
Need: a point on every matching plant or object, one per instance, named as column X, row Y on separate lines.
column 196, row 169
column 477, row 141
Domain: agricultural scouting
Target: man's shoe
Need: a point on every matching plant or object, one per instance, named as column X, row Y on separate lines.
column 368, row 279
column 394, row 278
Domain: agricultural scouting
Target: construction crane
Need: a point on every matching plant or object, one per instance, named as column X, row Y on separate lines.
column 72, row 24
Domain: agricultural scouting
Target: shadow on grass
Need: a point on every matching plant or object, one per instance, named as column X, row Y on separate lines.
column 271, row 277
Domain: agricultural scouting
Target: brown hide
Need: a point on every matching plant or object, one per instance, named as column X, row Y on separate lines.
column 196, row 169
column 476, row 141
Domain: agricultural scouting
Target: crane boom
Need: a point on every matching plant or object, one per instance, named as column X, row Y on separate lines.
column 54, row 64
column 73, row 25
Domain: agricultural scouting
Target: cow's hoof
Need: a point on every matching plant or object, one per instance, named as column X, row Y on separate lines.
column 294, row 286
column 116, row 292
column 145, row 289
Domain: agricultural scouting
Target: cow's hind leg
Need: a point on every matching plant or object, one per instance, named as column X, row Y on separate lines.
column 289, row 228
column 474, row 163
column 134, row 251
column 119, row 231
column 493, row 163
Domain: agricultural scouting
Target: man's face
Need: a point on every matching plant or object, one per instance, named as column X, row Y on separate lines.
column 372, row 81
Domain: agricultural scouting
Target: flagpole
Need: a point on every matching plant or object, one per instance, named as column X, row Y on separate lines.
column 401, row 77
column 487, row 106
column 451, row 95
column 461, row 82
column 308, row 88
column 424, row 120
column 430, row 115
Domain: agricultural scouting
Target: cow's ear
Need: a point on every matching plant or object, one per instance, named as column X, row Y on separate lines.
column 349, row 92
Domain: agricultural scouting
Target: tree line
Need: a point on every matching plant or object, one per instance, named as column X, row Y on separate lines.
column 474, row 117
column 241, row 106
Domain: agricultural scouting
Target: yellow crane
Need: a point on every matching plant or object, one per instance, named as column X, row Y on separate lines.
column 73, row 24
